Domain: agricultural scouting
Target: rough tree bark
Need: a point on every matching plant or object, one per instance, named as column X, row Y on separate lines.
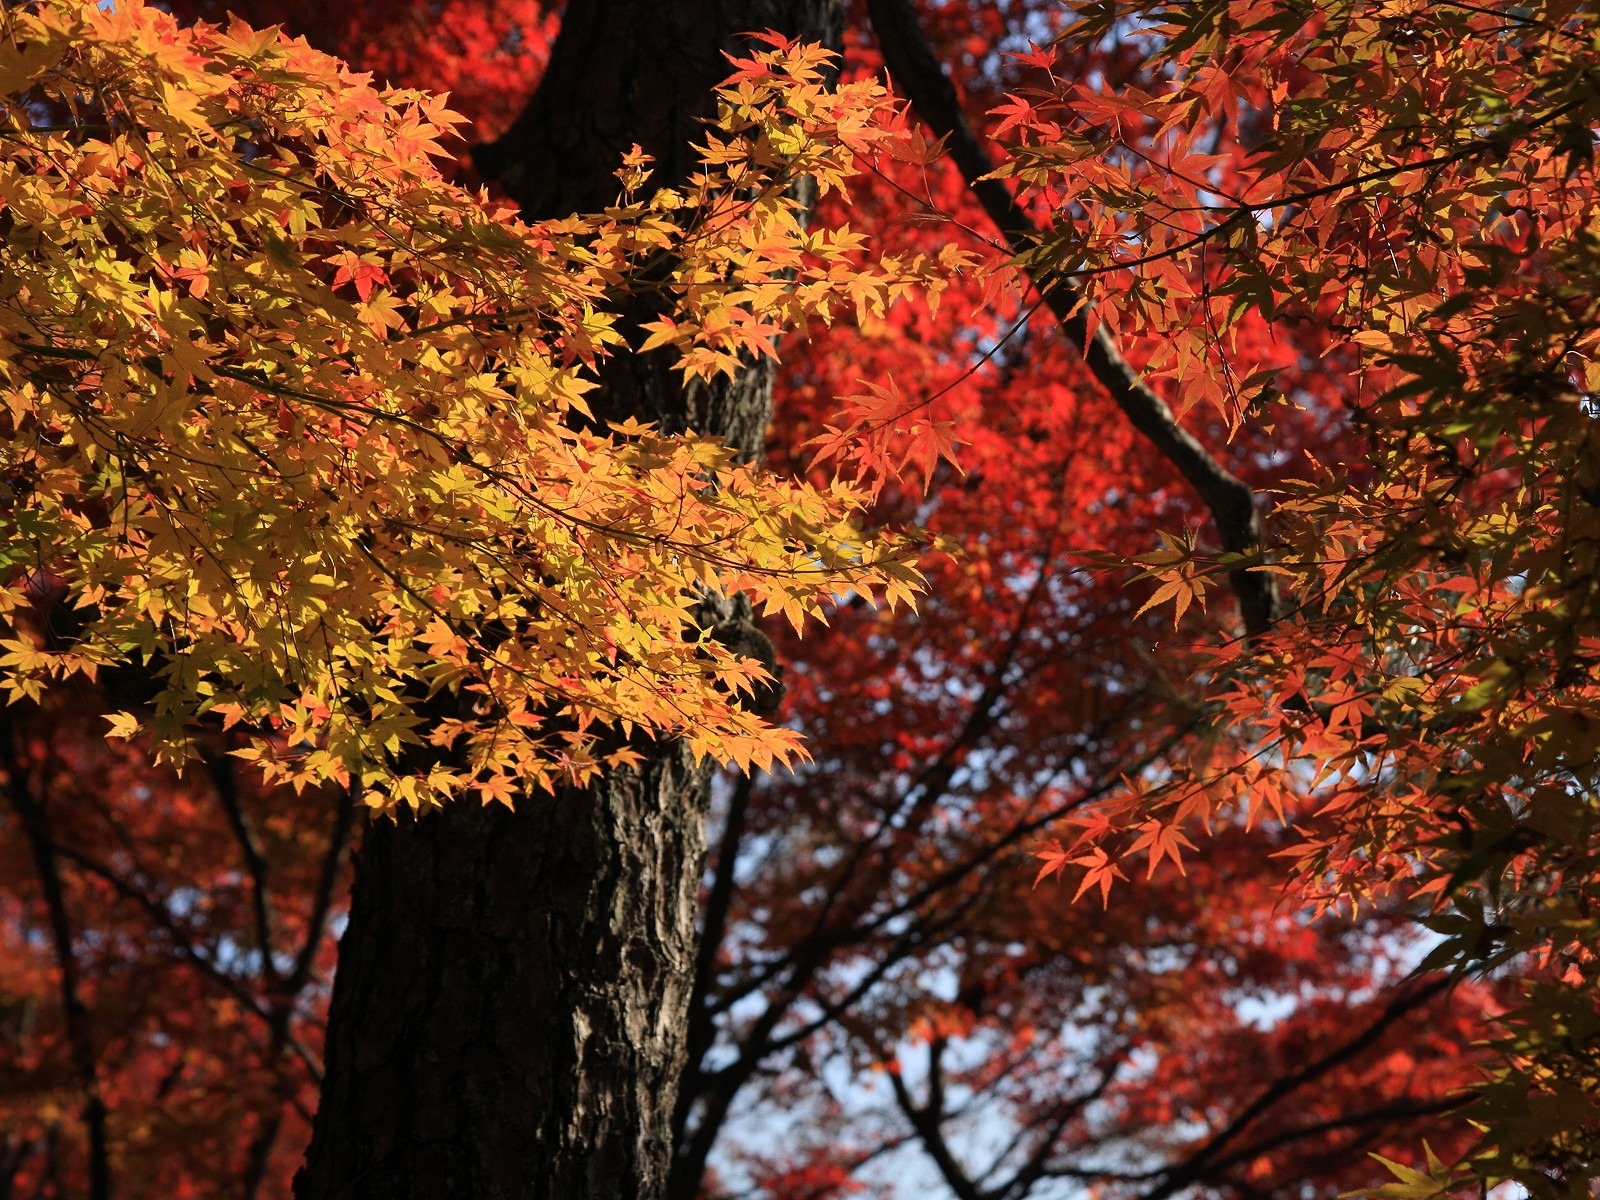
column 509, row 1010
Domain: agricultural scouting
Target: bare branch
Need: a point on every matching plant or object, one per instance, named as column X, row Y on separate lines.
column 928, row 1121
column 221, row 770
column 31, row 812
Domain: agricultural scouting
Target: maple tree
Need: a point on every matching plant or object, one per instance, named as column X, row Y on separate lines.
column 870, row 915
column 1420, row 182
column 423, row 433
column 382, row 537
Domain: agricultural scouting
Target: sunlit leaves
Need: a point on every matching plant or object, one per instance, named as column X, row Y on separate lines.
column 751, row 267
column 301, row 428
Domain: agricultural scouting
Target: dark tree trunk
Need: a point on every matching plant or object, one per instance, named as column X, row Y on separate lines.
column 508, row 1019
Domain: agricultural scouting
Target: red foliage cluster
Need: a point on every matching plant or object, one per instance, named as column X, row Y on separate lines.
column 177, row 930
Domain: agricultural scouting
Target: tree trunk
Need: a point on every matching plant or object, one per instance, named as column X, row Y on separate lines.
column 508, row 1017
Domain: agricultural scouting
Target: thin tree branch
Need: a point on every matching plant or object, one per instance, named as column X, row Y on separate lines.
column 806, row 959
column 915, row 801
column 1389, row 1115
column 1204, row 1159
column 76, row 1015
column 283, row 993
column 184, row 944
column 322, row 900
column 1037, row 1166
column 928, row 1121
column 226, row 784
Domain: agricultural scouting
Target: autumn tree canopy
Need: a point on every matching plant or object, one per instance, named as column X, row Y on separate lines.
column 1224, row 366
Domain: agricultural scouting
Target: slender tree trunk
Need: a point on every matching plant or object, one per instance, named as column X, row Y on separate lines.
column 508, row 1019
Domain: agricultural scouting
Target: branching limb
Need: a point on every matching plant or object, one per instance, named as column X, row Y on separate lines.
column 918, row 74
column 1208, row 1157
column 928, row 1121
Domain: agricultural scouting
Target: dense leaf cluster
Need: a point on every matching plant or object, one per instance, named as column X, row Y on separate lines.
column 301, row 427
